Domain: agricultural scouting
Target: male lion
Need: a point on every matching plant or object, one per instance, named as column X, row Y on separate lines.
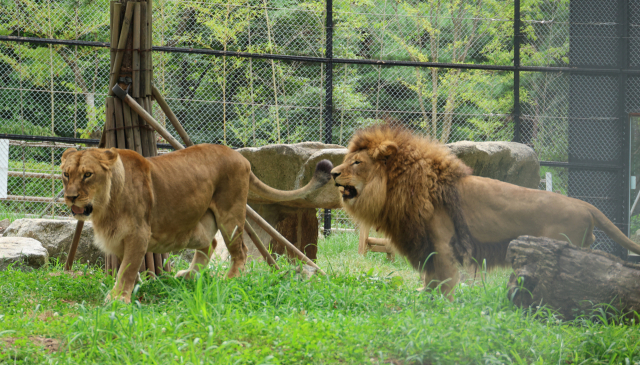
column 167, row 203
column 435, row 213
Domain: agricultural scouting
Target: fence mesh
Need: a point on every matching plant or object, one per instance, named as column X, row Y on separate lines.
column 59, row 90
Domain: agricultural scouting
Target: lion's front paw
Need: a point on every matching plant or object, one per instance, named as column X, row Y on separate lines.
column 187, row 274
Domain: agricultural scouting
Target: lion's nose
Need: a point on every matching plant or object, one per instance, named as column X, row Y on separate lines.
column 335, row 174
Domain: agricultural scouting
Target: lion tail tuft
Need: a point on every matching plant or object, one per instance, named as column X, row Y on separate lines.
column 323, row 171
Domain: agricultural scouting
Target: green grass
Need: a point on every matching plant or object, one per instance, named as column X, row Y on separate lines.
column 366, row 311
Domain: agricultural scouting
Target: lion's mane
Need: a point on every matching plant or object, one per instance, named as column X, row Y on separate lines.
column 420, row 178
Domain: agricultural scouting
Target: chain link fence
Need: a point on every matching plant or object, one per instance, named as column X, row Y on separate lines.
column 257, row 72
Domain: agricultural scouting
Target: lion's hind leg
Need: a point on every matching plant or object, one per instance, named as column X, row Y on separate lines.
column 231, row 224
column 204, row 243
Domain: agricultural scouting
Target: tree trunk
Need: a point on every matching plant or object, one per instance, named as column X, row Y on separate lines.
column 572, row 280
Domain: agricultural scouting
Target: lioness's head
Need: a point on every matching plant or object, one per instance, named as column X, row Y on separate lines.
column 87, row 179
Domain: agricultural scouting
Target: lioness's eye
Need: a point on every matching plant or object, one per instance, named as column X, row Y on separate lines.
column 88, row 174
column 65, row 174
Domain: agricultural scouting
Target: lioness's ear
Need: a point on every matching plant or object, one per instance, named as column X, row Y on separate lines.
column 384, row 150
column 66, row 154
column 108, row 157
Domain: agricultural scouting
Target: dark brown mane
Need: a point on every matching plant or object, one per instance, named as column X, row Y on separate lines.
column 422, row 177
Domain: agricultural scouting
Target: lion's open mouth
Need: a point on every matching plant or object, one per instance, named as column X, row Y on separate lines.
column 347, row 191
column 86, row 210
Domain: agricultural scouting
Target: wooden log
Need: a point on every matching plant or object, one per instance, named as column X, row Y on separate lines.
column 128, row 126
column 122, row 42
column 149, row 79
column 135, row 92
column 258, row 242
column 110, row 123
column 40, row 199
column 74, row 246
column 144, row 141
column 144, row 51
column 136, row 131
column 112, row 52
column 153, row 143
column 147, row 117
column 167, row 264
column 571, row 280
column 172, row 117
column 34, row 175
column 115, row 30
column 278, row 237
column 119, row 114
column 157, row 259
column 149, row 259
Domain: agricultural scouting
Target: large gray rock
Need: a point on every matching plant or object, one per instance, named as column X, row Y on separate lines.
column 56, row 236
column 25, row 253
column 510, row 162
column 289, row 167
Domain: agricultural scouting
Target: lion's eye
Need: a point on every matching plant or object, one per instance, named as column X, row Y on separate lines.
column 356, row 162
column 88, row 174
column 65, row 174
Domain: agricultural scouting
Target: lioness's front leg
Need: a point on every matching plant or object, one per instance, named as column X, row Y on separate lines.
column 135, row 248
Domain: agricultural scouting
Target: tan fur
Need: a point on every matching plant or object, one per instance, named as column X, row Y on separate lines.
column 439, row 216
column 166, row 203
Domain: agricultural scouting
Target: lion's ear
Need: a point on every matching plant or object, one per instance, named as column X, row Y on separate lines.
column 66, row 154
column 108, row 157
column 384, row 150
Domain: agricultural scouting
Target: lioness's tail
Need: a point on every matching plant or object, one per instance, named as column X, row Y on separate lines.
column 612, row 231
column 320, row 177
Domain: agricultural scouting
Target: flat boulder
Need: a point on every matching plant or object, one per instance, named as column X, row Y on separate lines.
column 510, row 162
column 291, row 166
column 23, row 253
column 56, row 236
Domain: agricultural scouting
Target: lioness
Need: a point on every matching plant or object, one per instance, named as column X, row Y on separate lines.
column 425, row 200
column 167, row 203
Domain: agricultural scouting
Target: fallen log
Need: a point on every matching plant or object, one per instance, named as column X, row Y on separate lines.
column 571, row 280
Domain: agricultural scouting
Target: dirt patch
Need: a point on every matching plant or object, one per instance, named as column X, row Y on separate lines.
column 49, row 344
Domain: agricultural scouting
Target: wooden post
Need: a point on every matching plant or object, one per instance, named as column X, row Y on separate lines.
column 278, row 237
column 172, row 117
column 136, row 50
column 124, row 33
column 131, row 59
column 256, row 240
column 74, row 246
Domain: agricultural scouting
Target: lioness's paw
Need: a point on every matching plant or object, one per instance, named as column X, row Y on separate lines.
column 187, row 274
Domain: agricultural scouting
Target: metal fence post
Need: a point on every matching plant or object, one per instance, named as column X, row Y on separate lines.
column 625, row 127
column 516, row 72
column 328, row 98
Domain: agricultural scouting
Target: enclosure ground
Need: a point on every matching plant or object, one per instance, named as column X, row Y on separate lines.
column 366, row 311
